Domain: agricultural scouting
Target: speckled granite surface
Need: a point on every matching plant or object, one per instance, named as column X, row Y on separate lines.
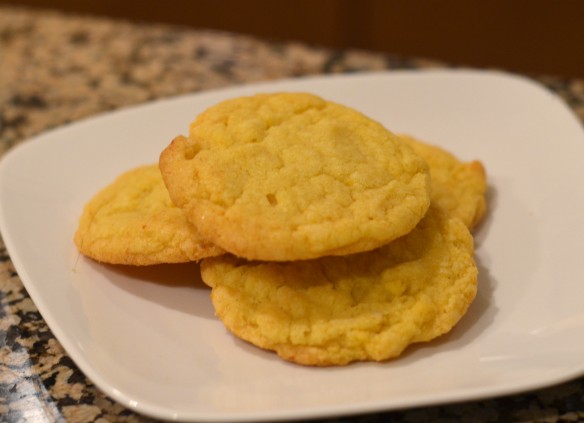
column 57, row 68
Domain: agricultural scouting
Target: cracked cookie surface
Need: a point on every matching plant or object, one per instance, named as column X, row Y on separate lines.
column 362, row 307
column 290, row 176
column 133, row 221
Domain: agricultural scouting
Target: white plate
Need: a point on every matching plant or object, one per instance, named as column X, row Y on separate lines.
column 148, row 337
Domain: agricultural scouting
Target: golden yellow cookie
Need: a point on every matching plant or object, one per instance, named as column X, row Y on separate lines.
column 366, row 306
column 457, row 187
column 132, row 221
column 290, row 176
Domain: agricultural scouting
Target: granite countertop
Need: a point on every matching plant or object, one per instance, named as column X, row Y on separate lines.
column 58, row 68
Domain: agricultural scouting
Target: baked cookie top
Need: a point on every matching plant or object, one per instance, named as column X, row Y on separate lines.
column 132, row 221
column 457, row 187
column 366, row 306
column 290, row 176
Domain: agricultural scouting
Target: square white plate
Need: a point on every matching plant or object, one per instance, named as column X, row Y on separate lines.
column 148, row 337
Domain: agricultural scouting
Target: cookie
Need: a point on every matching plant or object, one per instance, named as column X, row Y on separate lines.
column 290, row 176
column 133, row 221
column 457, row 187
column 362, row 307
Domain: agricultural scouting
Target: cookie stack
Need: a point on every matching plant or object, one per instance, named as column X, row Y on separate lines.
column 324, row 237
